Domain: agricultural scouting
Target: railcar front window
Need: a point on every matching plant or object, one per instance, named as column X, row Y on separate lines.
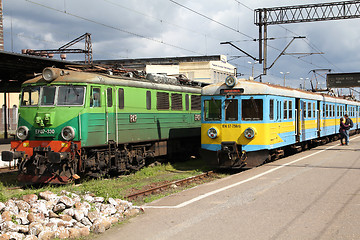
column 70, row 95
column 48, row 96
column 212, row 110
column 252, row 109
column 231, row 110
column 30, row 96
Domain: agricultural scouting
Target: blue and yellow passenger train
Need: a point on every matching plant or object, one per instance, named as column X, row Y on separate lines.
column 246, row 123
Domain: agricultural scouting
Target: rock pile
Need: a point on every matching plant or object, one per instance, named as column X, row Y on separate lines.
column 67, row 215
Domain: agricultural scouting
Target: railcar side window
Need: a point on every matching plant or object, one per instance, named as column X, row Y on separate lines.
column 48, row 96
column 290, row 109
column 148, row 100
column 271, row 114
column 309, row 110
column 70, row 95
column 195, row 102
column 121, row 97
column 212, row 110
column 176, row 101
column 231, row 110
column 187, row 102
column 30, row 96
column 95, row 97
column 327, row 110
column 285, row 109
column 109, row 97
column 314, row 110
column 162, row 101
column 252, row 109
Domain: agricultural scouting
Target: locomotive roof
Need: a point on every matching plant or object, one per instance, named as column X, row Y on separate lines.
column 70, row 77
column 256, row 88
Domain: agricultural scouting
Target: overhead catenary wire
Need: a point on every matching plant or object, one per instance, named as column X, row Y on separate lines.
column 211, row 19
column 310, row 45
column 115, row 28
column 160, row 20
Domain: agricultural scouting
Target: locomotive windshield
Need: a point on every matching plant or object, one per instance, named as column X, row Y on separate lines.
column 71, row 95
column 212, row 110
column 66, row 96
column 30, row 96
column 252, row 109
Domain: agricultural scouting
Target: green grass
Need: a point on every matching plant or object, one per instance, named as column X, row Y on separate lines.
column 117, row 187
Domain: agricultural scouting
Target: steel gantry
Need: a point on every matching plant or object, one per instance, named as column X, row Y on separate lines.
column 300, row 13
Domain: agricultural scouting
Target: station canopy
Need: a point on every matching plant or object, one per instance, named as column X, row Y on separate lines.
column 16, row 68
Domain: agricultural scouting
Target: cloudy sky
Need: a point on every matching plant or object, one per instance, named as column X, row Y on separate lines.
column 170, row 28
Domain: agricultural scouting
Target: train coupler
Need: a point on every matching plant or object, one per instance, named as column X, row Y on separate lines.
column 231, row 156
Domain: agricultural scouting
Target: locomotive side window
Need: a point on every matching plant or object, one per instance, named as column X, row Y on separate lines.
column 195, row 102
column 148, row 100
column 252, row 109
column 70, row 95
column 231, row 110
column 95, row 97
column 212, row 110
column 162, row 101
column 176, row 101
column 30, row 96
column 271, row 114
column 121, row 98
column 48, row 96
column 109, row 97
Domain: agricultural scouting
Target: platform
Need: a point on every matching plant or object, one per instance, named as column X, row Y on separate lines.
column 314, row 194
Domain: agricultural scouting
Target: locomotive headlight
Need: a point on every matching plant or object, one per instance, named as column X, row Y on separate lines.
column 212, row 133
column 230, row 81
column 249, row 133
column 68, row 133
column 22, row 133
column 50, row 74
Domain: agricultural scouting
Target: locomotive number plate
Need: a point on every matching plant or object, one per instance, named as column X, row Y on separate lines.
column 45, row 132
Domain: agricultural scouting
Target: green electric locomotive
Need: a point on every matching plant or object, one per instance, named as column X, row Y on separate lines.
column 74, row 124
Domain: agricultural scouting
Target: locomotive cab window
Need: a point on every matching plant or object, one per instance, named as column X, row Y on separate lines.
column 95, row 97
column 231, row 110
column 212, row 110
column 252, row 109
column 70, row 95
column 30, row 96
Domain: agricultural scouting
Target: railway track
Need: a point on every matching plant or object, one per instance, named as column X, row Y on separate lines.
column 168, row 185
column 7, row 169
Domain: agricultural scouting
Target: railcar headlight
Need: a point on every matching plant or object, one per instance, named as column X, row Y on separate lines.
column 212, row 133
column 249, row 133
column 68, row 133
column 50, row 74
column 230, row 81
column 22, row 132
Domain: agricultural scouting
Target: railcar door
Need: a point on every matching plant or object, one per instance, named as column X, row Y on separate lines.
column 110, row 115
column 298, row 118
column 96, row 119
column 318, row 113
